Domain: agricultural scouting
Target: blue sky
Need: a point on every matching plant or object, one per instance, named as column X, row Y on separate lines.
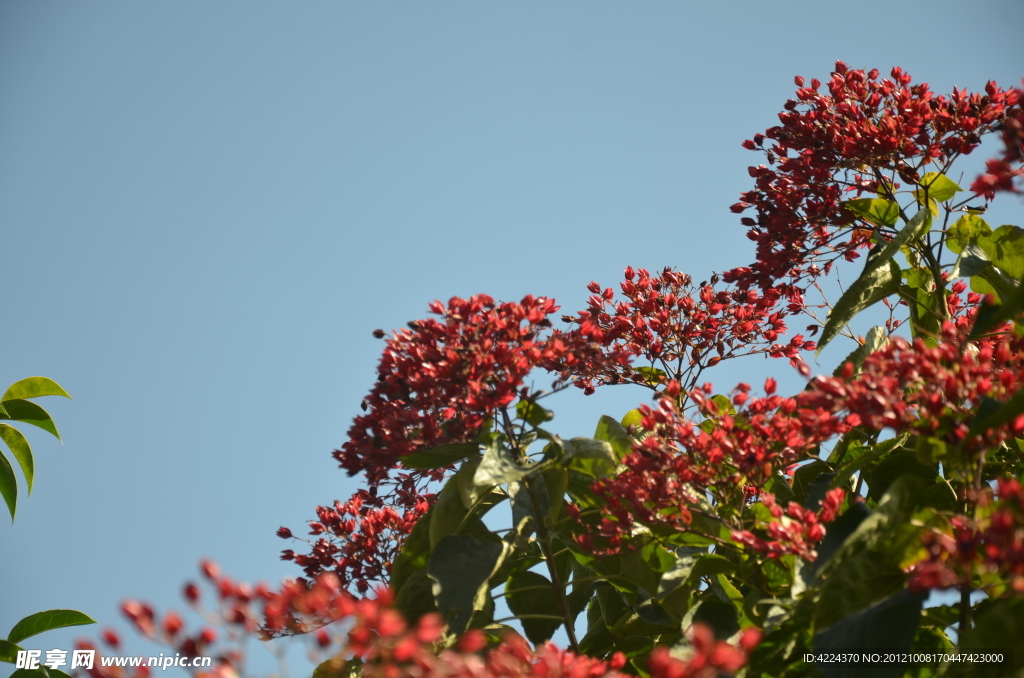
column 206, row 208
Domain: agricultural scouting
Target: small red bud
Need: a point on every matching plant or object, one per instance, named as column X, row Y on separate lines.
column 284, row 533
column 210, row 569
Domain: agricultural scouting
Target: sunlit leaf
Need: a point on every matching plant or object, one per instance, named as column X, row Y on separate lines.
column 33, row 387
column 21, row 451
column 46, row 621
column 30, row 413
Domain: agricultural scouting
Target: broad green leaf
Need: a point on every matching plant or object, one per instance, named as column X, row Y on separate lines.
column 532, row 413
column 651, row 375
column 497, row 467
column 8, row 651
column 862, row 457
column 465, row 479
column 461, row 568
column 632, row 418
column 930, row 450
column 967, row 230
column 30, row 413
column 719, row 615
column 998, row 624
column 416, row 597
column 529, row 593
column 339, row 667
column 728, row 593
column 46, row 621
column 593, row 457
column 875, row 283
column 614, row 434
column 21, row 450
column 889, row 624
column 990, row 317
column 972, row 261
column 859, row 579
column 440, row 457
column 874, row 340
column 678, row 575
column 937, row 187
column 878, row 211
column 838, row 532
column 1005, row 248
column 992, row 279
column 804, row 475
column 41, row 672
column 897, row 464
column 33, row 387
column 556, row 482
column 522, row 503
column 449, row 513
column 8, row 485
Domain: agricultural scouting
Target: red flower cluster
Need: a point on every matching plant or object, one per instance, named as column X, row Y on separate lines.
column 1001, row 173
column 796, row 531
column 992, row 544
column 681, row 328
column 711, row 658
column 668, row 472
column 437, row 383
column 356, row 540
column 826, row 140
column 930, row 391
column 440, row 380
column 386, row 646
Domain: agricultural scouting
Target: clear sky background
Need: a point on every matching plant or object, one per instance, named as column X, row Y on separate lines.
column 206, row 208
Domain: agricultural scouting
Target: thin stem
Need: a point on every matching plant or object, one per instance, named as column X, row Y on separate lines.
column 544, row 539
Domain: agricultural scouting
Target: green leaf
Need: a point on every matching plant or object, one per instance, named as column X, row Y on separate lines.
column 33, row 387
column 632, row 418
column 889, row 624
column 719, row 615
column 532, row 413
column 556, row 482
column 993, row 316
column 615, row 434
column 878, row 211
column 8, row 651
column 651, row 375
column 805, row 475
column 998, row 624
column 858, row 580
column 937, row 187
column 8, row 485
column 461, row 568
column 971, row 262
column 1005, row 248
column 30, row 413
column 593, row 457
column 968, row 229
column 41, row 672
column 416, row 596
column 21, row 450
column 529, row 593
column 440, row 457
column 497, row 467
column 874, row 340
column 897, row 464
column 46, row 621
column 876, row 282
column 522, row 503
